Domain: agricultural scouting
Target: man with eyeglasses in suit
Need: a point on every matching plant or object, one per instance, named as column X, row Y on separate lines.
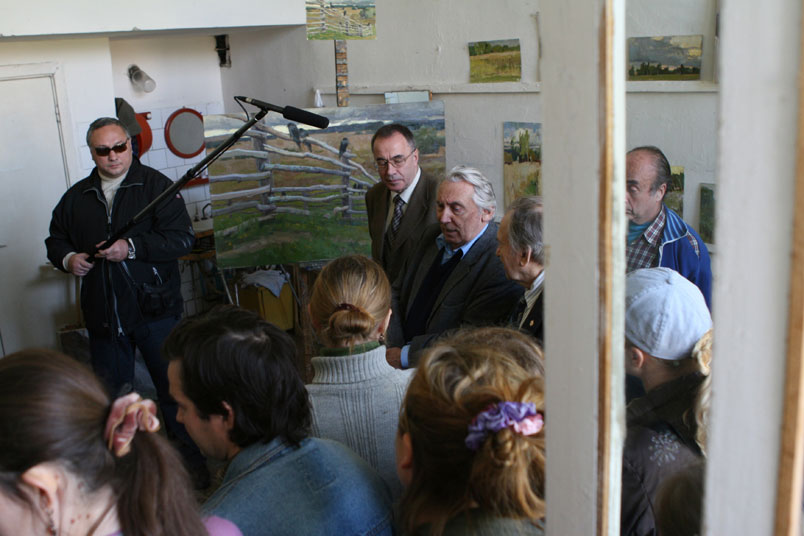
column 403, row 203
column 131, row 291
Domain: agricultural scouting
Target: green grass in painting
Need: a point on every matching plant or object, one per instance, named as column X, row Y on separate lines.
column 707, row 215
column 294, row 238
column 693, row 76
column 496, row 67
column 522, row 178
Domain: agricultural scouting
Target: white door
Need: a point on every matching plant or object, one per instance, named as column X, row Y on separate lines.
column 35, row 300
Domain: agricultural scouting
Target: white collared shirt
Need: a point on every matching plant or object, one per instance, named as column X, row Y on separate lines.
column 405, row 195
column 531, row 295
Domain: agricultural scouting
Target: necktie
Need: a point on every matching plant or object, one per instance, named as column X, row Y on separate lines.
column 397, row 218
column 519, row 312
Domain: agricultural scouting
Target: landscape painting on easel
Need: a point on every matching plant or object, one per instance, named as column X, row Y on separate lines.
column 346, row 19
column 289, row 193
column 675, row 57
column 495, row 61
column 522, row 160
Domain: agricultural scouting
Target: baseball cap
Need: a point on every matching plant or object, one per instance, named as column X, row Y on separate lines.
column 665, row 314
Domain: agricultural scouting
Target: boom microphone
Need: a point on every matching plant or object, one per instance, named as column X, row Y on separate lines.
column 289, row 112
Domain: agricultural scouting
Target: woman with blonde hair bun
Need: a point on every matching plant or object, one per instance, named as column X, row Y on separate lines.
column 471, row 444
column 355, row 393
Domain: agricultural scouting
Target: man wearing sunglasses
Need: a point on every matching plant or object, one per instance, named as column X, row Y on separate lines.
column 402, row 204
column 130, row 291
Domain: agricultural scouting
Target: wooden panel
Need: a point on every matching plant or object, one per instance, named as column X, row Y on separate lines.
column 605, row 281
column 791, row 458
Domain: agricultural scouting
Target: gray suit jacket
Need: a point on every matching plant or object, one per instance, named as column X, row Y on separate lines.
column 421, row 212
column 477, row 293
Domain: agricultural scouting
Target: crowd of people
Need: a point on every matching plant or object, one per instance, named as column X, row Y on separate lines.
column 425, row 414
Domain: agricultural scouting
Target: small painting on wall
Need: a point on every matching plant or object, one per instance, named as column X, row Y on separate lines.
column 706, row 219
column 288, row 193
column 495, row 61
column 665, row 58
column 347, row 19
column 522, row 160
column 674, row 197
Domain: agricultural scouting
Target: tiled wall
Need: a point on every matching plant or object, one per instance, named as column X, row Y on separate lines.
column 195, row 197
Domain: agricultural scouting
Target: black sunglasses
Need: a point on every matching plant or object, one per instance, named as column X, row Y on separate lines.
column 104, row 151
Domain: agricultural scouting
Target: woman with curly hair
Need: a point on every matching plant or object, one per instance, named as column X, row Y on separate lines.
column 470, row 446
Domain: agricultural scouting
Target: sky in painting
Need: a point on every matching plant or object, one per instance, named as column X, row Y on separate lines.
column 667, row 50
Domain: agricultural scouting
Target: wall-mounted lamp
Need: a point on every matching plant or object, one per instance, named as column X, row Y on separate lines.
column 140, row 79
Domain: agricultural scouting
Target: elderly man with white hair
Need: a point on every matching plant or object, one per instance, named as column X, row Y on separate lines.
column 522, row 253
column 453, row 278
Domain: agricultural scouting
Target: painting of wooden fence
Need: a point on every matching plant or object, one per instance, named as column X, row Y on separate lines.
column 347, row 19
column 291, row 193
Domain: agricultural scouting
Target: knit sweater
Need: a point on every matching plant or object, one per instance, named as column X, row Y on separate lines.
column 356, row 400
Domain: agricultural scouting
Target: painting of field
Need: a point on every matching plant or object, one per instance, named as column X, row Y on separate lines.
column 495, row 61
column 706, row 219
column 348, row 19
column 291, row 193
column 674, row 197
column 522, row 160
column 665, row 58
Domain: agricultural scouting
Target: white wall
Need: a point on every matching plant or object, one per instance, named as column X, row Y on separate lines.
column 186, row 72
column 280, row 66
column 684, row 126
column 49, row 17
column 420, row 44
column 678, row 117
column 86, row 65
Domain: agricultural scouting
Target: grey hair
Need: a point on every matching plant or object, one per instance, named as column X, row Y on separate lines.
column 105, row 122
column 525, row 226
column 484, row 194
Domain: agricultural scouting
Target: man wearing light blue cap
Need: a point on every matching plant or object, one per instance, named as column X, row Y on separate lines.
column 668, row 347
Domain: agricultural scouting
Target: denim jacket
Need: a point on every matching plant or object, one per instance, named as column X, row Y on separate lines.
column 320, row 487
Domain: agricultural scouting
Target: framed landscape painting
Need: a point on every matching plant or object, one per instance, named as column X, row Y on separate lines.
column 522, row 160
column 665, row 58
column 290, row 193
column 495, row 61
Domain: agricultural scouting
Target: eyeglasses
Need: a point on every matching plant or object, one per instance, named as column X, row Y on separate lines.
column 104, row 151
column 396, row 161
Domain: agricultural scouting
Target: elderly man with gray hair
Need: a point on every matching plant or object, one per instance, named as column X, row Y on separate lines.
column 522, row 254
column 453, row 278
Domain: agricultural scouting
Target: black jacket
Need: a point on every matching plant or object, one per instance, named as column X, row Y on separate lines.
column 660, row 442
column 109, row 295
column 476, row 293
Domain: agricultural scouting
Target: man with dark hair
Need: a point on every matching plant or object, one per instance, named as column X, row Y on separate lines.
column 522, row 254
column 131, row 291
column 242, row 400
column 657, row 236
column 403, row 203
column 453, row 278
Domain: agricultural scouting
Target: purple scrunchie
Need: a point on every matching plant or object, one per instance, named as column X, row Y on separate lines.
column 522, row 417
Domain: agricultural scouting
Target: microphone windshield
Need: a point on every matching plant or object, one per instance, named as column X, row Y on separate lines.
column 303, row 116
